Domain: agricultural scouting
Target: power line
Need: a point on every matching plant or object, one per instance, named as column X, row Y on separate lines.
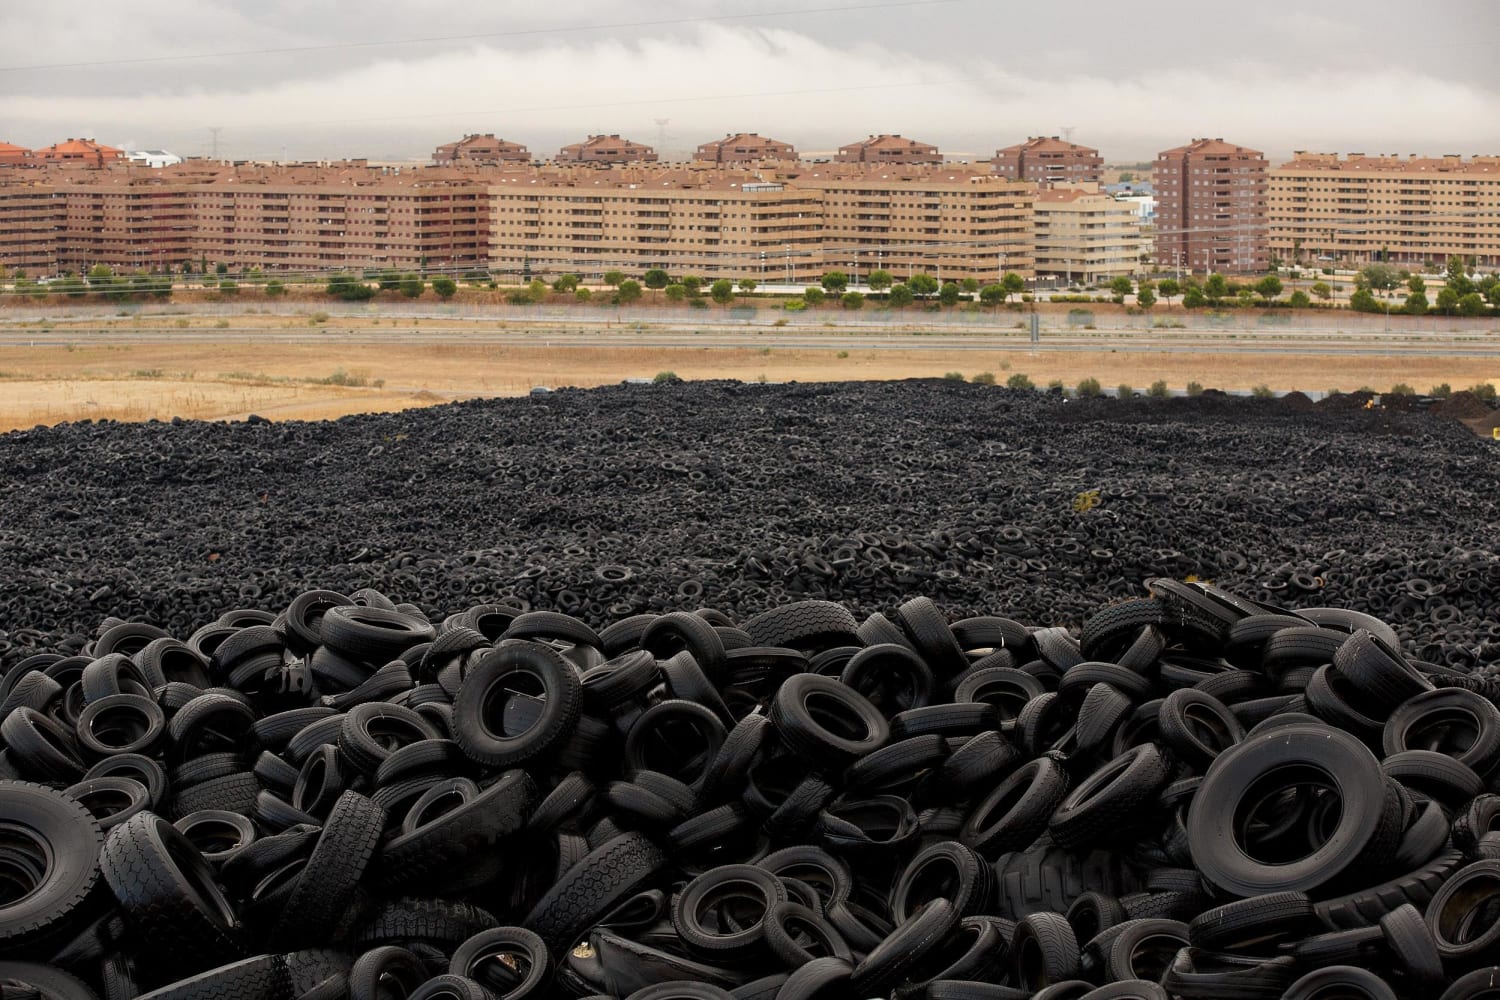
column 519, row 33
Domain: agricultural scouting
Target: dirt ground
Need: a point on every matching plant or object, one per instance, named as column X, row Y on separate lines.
column 215, row 380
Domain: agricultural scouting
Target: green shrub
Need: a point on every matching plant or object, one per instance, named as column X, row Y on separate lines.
column 662, row 378
column 984, row 378
column 1158, row 389
column 1402, row 389
column 1195, row 388
column 1263, row 391
column 1019, row 381
column 1088, row 388
column 1484, row 390
column 1057, row 383
column 349, row 287
column 843, row 354
column 1441, row 391
column 954, row 376
column 1124, row 390
column 275, row 289
column 444, row 287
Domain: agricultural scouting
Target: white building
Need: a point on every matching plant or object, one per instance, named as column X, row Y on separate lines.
column 152, row 157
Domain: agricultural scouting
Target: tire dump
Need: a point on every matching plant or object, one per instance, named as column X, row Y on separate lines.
column 766, row 692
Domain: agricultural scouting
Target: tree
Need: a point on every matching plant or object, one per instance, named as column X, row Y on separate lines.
column 614, row 278
column 390, row 281
column 675, row 292
column 1121, row 287
column 692, row 284
column 992, row 295
column 900, row 296
column 1441, row 391
column 748, row 285
column 1013, row 284
column 852, row 300
column 835, row 282
column 1415, row 284
column 814, row 295
column 1215, row 289
column 1493, row 294
column 1447, row 300
column 1159, row 389
column 1299, row 300
column 984, row 378
column 71, row 286
column 922, row 285
column 1380, row 277
column 1169, row 288
column 1019, row 381
column 1193, row 297
column 444, row 287
column 1457, row 276
column 1145, row 298
column 227, row 287
column 656, row 279
column 628, row 292
column 412, row 286
column 1321, row 290
column 949, row 294
column 970, row 285
column 879, row 280
column 1416, row 303
column 1268, row 288
column 566, row 283
column 582, row 294
column 349, row 287
column 722, row 291
column 1088, row 387
column 1363, row 300
column 1471, row 304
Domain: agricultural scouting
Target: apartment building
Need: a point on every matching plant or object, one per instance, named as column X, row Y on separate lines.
column 744, row 147
column 480, row 149
column 1084, row 235
column 1410, row 211
column 15, row 156
column 893, row 149
column 606, row 149
column 1211, row 205
column 1045, row 160
column 282, row 218
column 80, row 152
column 952, row 223
column 710, row 223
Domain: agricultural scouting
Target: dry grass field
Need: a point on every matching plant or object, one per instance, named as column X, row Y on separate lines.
column 217, row 379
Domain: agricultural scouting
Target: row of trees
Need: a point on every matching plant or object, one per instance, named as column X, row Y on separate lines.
column 1462, row 294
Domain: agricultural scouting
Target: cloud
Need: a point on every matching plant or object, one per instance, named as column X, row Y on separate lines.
column 717, row 78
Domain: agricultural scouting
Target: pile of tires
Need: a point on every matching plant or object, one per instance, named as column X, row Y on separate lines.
column 1196, row 795
column 607, row 503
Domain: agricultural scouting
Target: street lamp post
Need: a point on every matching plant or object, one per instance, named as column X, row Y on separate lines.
column 788, row 263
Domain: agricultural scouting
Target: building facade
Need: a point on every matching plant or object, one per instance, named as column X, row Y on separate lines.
column 744, row 147
column 480, row 149
column 1049, row 160
column 777, row 222
column 1211, row 208
column 893, row 149
column 1085, row 236
column 606, row 149
column 1410, row 211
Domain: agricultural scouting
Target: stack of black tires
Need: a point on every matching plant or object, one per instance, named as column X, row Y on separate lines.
column 1199, row 796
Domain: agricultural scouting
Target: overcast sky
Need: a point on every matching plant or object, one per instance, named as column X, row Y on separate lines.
column 969, row 75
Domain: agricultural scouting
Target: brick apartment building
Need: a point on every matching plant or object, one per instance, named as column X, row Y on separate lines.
column 1411, row 211
column 16, row 156
column 1049, row 160
column 744, row 147
column 480, row 149
column 282, row 218
column 606, row 149
column 889, row 149
column 81, row 152
column 1084, row 235
column 952, row 223
column 1211, row 207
